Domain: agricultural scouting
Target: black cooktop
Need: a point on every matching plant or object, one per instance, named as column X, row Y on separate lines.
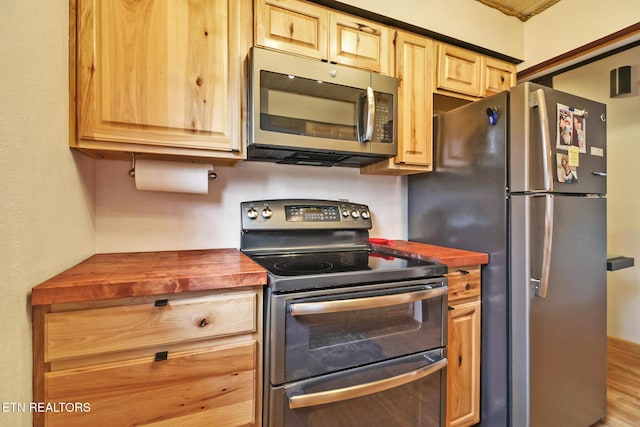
column 288, row 272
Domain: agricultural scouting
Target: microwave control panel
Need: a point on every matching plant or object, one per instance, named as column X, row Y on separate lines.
column 383, row 131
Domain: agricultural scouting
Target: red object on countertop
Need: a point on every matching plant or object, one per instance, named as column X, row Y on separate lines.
column 381, row 241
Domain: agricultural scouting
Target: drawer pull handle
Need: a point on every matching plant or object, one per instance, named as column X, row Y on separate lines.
column 203, row 323
column 468, row 286
column 161, row 355
column 463, row 272
column 161, row 302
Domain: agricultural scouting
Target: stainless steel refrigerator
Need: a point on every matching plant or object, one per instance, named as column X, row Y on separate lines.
column 521, row 175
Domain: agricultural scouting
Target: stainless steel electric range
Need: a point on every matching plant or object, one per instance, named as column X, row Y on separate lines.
column 353, row 337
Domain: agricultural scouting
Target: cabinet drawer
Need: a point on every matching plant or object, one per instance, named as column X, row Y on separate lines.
column 464, row 283
column 101, row 330
column 210, row 386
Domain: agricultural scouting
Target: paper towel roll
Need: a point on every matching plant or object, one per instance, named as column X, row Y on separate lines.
column 153, row 175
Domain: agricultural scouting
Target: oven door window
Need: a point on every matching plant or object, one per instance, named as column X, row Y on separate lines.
column 331, row 333
column 408, row 391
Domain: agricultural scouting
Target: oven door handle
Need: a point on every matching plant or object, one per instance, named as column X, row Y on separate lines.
column 360, row 390
column 363, row 303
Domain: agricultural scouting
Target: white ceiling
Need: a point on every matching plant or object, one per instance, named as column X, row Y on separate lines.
column 522, row 9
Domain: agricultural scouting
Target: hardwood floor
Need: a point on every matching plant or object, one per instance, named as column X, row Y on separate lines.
column 623, row 384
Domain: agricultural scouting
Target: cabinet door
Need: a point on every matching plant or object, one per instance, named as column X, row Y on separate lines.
column 498, row 75
column 414, row 69
column 160, row 73
column 463, row 370
column 359, row 43
column 292, row 26
column 459, row 70
column 206, row 387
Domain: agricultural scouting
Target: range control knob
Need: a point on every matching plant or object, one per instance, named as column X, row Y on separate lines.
column 266, row 213
column 365, row 215
column 252, row 213
column 345, row 213
column 355, row 214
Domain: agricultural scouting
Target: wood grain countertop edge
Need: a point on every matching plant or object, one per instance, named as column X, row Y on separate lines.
column 123, row 275
column 451, row 257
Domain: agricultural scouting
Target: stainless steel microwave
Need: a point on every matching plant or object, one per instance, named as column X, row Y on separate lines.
column 304, row 111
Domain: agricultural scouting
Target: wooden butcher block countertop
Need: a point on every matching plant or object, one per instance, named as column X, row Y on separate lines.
column 449, row 256
column 106, row 276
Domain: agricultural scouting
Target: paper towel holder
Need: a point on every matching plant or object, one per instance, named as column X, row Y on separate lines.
column 132, row 172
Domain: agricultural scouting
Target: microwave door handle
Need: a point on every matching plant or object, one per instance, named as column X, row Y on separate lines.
column 341, row 394
column 360, row 125
column 371, row 113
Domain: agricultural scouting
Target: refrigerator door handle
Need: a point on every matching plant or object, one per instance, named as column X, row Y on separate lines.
column 538, row 99
column 542, row 284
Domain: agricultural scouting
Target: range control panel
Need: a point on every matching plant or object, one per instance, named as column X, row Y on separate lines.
column 292, row 214
column 312, row 213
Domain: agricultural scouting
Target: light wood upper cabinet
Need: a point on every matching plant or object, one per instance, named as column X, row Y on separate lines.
column 470, row 75
column 414, row 70
column 292, row 26
column 458, row 70
column 359, row 43
column 163, row 77
column 304, row 28
column 498, row 75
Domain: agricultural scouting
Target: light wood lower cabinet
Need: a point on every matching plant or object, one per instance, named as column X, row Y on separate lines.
column 463, row 348
column 188, row 360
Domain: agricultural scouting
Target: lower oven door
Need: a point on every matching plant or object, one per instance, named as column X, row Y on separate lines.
column 404, row 392
column 325, row 331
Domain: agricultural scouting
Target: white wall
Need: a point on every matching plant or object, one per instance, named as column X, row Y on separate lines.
column 132, row 220
column 570, row 24
column 47, row 219
column 466, row 20
column 623, row 185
